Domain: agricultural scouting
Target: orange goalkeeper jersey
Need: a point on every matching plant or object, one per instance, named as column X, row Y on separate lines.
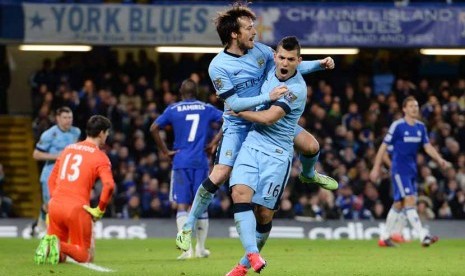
column 76, row 171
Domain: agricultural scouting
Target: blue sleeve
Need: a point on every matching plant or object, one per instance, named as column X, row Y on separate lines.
column 307, row 67
column 390, row 136
column 221, row 81
column 45, row 141
column 164, row 119
column 215, row 114
column 238, row 104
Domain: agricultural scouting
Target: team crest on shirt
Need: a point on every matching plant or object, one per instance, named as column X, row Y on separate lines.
column 218, row 83
column 260, row 62
column 228, row 153
column 418, row 133
column 290, row 97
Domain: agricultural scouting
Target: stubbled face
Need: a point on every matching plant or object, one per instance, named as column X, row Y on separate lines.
column 65, row 120
column 412, row 110
column 286, row 63
column 247, row 32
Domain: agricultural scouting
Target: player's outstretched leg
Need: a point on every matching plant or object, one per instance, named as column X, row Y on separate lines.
column 54, row 250
column 202, row 199
column 238, row 270
column 42, row 251
column 321, row 180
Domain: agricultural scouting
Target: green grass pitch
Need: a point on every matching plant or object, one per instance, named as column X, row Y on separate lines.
column 284, row 256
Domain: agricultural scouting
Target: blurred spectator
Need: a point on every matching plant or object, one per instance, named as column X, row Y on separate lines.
column 5, row 202
column 348, row 114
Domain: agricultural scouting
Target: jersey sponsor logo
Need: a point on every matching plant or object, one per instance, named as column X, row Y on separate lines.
column 218, row 83
column 412, row 139
column 236, row 73
column 290, row 97
column 250, row 83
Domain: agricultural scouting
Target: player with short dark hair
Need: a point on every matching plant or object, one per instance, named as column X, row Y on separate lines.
column 192, row 121
column 71, row 181
column 264, row 162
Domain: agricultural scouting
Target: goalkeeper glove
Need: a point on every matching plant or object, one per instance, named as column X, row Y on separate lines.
column 96, row 213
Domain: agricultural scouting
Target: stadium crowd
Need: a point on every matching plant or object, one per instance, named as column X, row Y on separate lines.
column 348, row 110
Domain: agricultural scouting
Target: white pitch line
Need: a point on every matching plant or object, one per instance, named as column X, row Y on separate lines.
column 90, row 266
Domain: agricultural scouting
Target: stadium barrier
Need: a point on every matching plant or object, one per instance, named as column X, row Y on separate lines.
column 224, row 228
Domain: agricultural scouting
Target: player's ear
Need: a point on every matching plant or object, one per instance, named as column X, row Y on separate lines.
column 234, row 35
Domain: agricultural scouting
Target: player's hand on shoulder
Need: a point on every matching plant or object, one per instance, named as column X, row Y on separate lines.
column 278, row 92
column 327, row 63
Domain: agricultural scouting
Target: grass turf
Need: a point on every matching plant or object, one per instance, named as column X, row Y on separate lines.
column 284, row 256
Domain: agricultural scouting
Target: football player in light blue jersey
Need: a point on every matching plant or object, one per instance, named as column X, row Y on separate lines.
column 191, row 120
column 405, row 136
column 51, row 143
column 263, row 165
column 237, row 73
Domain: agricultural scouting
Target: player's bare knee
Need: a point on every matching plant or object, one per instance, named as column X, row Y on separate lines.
column 305, row 143
column 241, row 194
column 220, row 174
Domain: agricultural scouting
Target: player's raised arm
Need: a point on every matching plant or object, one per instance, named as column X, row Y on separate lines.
column 307, row 67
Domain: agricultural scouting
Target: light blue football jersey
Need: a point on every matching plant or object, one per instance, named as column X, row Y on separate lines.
column 244, row 75
column 277, row 139
column 54, row 140
column 403, row 141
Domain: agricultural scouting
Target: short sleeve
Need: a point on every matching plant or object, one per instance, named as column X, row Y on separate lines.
column 45, row 142
column 164, row 119
column 221, row 81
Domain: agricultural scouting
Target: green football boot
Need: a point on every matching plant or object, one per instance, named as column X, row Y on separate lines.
column 183, row 239
column 54, row 251
column 40, row 256
column 321, row 180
